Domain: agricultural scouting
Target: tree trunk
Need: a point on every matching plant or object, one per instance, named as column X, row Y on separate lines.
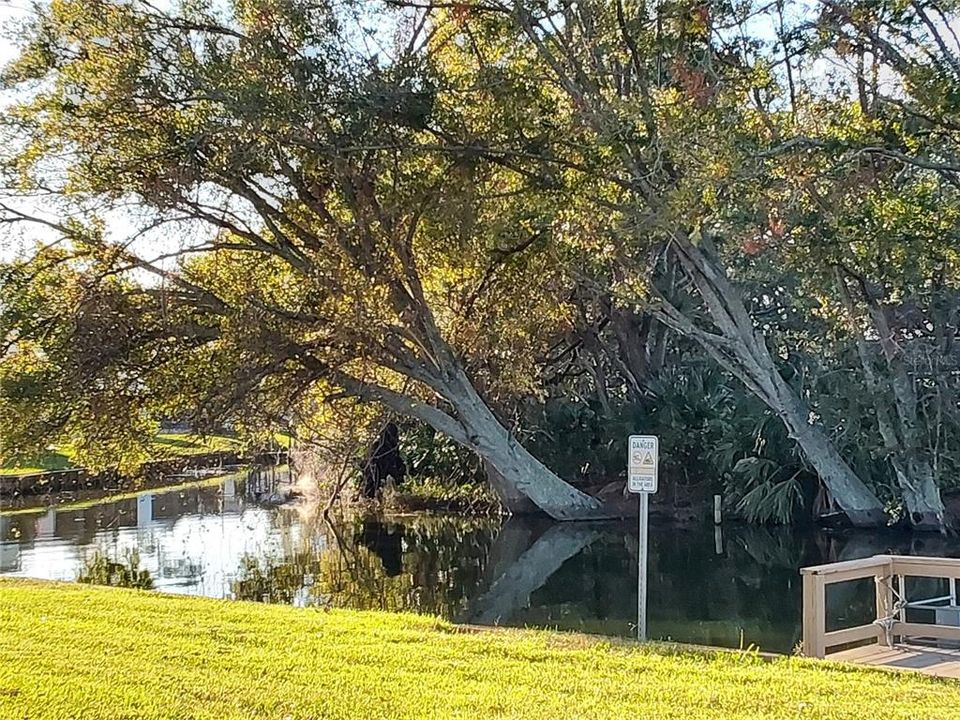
column 633, row 341
column 922, row 496
column 740, row 349
column 857, row 501
column 510, row 497
column 899, row 432
column 518, row 475
column 915, row 474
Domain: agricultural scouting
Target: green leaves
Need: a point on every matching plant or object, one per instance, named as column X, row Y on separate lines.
column 384, row 209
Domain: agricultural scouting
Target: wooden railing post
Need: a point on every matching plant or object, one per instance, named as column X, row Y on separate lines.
column 814, row 615
column 885, row 604
column 890, row 622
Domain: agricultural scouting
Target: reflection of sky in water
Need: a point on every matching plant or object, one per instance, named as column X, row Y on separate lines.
column 191, row 542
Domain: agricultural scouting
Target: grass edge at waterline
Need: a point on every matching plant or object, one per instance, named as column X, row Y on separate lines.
column 72, row 651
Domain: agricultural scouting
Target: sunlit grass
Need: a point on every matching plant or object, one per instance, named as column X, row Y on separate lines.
column 177, row 444
column 45, row 462
column 68, row 651
column 165, row 446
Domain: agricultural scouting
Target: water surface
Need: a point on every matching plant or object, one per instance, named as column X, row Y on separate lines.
column 737, row 587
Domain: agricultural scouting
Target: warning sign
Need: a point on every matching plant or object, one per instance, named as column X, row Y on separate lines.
column 642, row 463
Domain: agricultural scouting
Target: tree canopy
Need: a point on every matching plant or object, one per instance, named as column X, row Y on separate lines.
column 734, row 222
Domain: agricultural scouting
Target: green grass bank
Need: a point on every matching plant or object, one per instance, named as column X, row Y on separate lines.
column 71, row 651
column 165, row 446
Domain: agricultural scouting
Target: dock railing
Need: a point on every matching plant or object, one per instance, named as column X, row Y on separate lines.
column 890, row 625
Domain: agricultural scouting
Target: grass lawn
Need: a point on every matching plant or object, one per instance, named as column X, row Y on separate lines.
column 71, row 651
column 50, row 460
column 176, row 444
column 166, row 445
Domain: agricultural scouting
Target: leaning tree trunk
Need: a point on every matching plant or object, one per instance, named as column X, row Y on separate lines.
column 516, row 475
column 912, row 468
column 741, row 350
column 918, row 485
column 510, row 496
column 522, row 482
column 851, row 494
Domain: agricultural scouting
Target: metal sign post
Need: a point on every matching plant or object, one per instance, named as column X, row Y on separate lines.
column 643, row 457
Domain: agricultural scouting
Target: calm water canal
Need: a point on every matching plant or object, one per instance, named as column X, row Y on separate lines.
column 232, row 540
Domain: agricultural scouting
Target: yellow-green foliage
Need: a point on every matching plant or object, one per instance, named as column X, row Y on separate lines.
column 68, row 651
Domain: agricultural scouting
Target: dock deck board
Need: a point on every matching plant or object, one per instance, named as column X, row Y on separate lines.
column 941, row 662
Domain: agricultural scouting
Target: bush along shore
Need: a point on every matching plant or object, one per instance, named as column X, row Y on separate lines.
column 72, row 651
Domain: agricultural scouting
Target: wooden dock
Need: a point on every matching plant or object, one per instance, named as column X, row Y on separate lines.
column 894, row 639
column 941, row 662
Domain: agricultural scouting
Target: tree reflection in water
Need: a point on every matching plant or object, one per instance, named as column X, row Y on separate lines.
column 223, row 541
column 426, row 564
column 571, row 576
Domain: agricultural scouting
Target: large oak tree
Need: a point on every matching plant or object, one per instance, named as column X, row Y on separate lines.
column 341, row 246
